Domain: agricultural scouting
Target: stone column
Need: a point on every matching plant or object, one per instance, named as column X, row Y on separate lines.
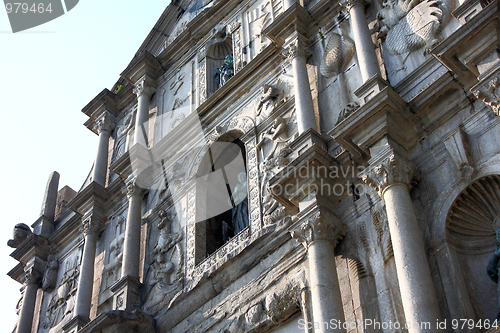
column 91, row 228
column 131, row 244
column 391, row 175
column 365, row 50
column 320, row 234
column 144, row 89
column 297, row 52
column 32, row 279
column 105, row 124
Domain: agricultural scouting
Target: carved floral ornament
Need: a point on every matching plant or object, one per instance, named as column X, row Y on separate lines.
column 32, row 276
column 389, row 171
column 296, row 48
column 490, row 95
column 91, row 226
column 143, row 87
column 105, row 122
column 323, row 226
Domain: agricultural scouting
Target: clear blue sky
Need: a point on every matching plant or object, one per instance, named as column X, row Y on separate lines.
column 47, row 75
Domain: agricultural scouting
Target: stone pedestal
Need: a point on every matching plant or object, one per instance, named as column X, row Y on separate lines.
column 391, row 175
column 126, row 293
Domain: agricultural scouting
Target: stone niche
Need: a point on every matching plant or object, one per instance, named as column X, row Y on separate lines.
column 470, row 229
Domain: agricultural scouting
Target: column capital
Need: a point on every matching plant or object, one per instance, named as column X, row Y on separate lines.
column 105, row 122
column 144, row 86
column 348, row 4
column 32, row 276
column 297, row 46
column 322, row 226
column 133, row 188
column 91, row 225
column 390, row 168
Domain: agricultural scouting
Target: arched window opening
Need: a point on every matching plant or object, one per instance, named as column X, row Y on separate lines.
column 223, row 201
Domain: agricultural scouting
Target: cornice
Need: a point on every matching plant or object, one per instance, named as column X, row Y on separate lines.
column 294, row 19
column 34, row 246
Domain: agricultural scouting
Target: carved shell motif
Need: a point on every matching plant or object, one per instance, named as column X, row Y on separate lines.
column 339, row 51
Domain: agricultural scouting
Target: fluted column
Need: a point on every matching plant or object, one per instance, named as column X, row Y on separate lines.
column 320, row 234
column 131, row 244
column 91, row 228
column 32, row 279
column 144, row 89
column 105, row 124
column 365, row 49
column 297, row 51
column 391, row 175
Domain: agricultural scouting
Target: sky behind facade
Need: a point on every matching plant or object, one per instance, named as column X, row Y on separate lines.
column 48, row 74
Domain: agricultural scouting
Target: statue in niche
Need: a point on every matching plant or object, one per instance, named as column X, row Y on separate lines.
column 493, row 270
column 224, row 72
column 165, row 268
column 239, row 211
column 20, row 234
column 50, row 275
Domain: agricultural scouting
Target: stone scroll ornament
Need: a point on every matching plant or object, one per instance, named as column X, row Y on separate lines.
column 409, row 25
column 493, row 270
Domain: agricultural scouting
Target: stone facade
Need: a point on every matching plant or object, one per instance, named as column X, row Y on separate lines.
column 367, row 136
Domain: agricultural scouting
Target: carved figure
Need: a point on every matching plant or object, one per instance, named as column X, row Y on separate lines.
column 122, row 134
column 277, row 134
column 20, row 234
column 268, row 94
column 493, row 270
column 164, row 276
column 240, row 210
column 50, row 275
column 224, row 72
column 408, row 25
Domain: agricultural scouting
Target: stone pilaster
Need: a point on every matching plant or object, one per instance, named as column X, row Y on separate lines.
column 365, row 49
column 144, row 89
column 33, row 273
column 105, row 124
column 320, row 234
column 127, row 289
column 297, row 51
column 392, row 175
column 92, row 226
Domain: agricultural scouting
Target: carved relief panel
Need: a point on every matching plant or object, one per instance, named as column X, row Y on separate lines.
column 59, row 304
